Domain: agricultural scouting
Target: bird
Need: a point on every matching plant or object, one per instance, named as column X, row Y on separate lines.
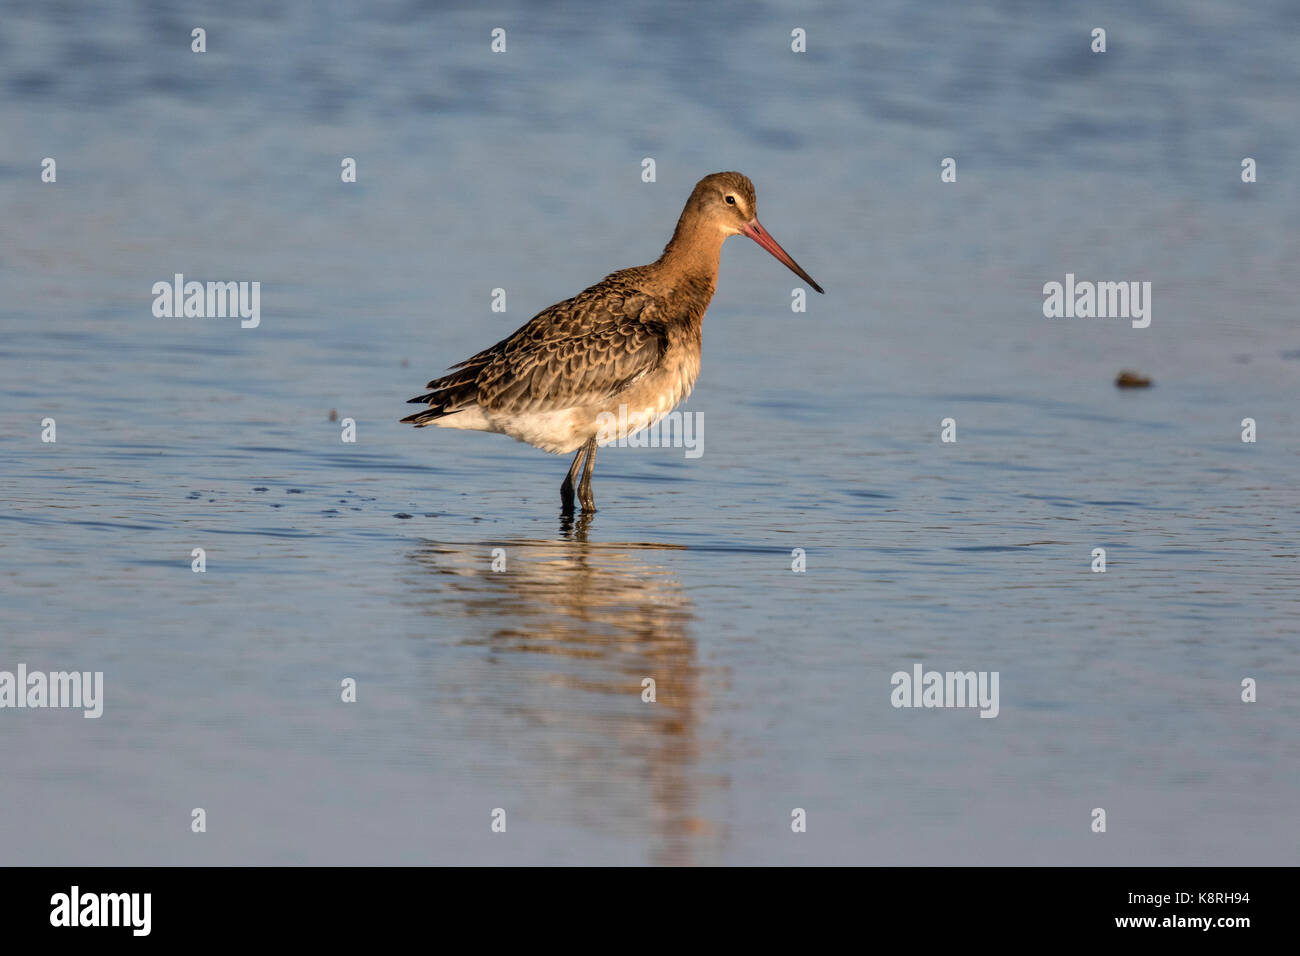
column 632, row 340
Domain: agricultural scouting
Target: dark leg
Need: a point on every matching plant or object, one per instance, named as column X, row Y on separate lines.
column 566, row 489
column 584, row 487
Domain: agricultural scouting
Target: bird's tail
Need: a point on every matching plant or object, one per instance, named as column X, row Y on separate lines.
column 421, row 419
column 448, row 395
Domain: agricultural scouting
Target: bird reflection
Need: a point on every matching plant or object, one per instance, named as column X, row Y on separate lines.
column 575, row 527
column 580, row 626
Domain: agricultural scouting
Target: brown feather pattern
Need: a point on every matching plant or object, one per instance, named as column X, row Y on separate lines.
column 576, row 352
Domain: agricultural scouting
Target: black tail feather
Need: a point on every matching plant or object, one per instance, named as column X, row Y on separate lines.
column 421, row 419
column 449, row 394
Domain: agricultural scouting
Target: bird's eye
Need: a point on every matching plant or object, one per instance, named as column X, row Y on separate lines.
column 731, row 200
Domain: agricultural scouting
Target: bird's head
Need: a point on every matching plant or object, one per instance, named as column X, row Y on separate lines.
column 727, row 202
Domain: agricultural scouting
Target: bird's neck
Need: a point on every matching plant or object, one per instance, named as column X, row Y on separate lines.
column 690, row 260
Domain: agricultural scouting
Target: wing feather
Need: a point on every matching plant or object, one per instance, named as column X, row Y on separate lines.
column 578, row 352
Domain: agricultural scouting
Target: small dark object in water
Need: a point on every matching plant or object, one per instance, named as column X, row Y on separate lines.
column 1130, row 379
column 334, row 415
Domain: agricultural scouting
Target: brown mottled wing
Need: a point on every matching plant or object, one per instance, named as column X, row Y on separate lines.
column 575, row 353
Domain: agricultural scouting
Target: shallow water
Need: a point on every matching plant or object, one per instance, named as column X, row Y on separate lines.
column 520, row 689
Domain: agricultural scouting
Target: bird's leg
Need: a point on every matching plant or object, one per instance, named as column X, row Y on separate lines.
column 566, row 489
column 584, row 487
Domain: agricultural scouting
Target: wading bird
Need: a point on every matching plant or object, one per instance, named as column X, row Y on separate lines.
column 631, row 340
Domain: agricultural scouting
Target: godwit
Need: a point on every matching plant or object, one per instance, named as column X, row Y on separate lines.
column 632, row 339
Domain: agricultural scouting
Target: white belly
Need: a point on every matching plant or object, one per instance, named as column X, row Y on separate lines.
column 568, row 429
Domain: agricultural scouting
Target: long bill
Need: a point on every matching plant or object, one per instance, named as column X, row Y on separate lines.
column 754, row 229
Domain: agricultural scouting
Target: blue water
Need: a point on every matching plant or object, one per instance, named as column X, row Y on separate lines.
column 521, row 689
